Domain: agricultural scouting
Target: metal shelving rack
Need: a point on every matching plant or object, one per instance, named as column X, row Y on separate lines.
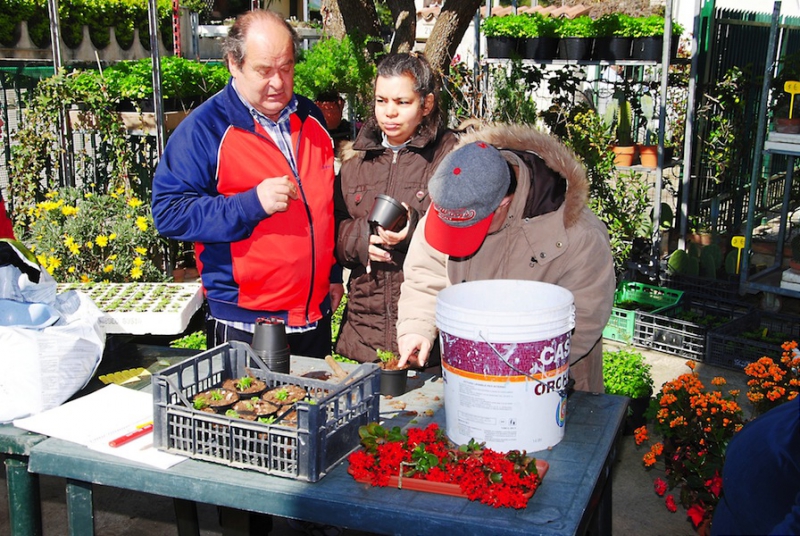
column 769, row 280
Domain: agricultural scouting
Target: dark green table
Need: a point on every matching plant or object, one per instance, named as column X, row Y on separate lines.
column 575, row 497
column 24, row 506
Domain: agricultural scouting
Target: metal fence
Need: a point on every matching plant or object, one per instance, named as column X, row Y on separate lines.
column 738, row 39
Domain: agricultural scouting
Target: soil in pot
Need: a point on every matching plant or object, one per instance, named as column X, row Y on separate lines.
column 219, row 399
column 284, row 395
column 246, row 386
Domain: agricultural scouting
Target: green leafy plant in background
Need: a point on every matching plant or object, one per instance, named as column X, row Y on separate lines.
column 98, row 15
column 626, row 373
column 194, row 341
column 514, row 85
column 336, row 66
column 582, row 26
column 505, row 26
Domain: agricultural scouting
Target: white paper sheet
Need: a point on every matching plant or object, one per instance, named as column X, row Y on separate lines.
column 97, row 418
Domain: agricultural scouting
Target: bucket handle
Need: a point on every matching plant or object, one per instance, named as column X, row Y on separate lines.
column 561, row 392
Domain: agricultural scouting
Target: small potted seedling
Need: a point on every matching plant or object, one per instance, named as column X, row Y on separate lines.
column 219, row 399
column 246, row 386
column 285, row 395
column 393, row 379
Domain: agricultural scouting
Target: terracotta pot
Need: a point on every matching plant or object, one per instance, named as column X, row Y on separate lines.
column 784, row 125
column 648, row 155
column 332, row 111
column 623, row 155
column 703, row 239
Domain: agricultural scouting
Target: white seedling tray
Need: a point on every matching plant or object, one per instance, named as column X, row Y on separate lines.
column 143, row 308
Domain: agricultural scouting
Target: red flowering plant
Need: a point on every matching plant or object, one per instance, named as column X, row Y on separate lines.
column 695, row 427
column 493, row 478
column 772, row 383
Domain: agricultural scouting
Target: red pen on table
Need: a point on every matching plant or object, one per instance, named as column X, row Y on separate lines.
column 130, row 436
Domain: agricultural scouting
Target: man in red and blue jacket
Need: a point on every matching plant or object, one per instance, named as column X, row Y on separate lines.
column 248, row 176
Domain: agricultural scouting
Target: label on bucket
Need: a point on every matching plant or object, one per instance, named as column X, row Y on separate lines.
column 514, row 405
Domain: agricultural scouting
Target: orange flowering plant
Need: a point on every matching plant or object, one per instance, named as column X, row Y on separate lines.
column 694, row 426
column 772, row 383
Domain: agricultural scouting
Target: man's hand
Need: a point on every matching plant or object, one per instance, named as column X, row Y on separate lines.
column 276, row 193
column 337, row 292
column 413, row 348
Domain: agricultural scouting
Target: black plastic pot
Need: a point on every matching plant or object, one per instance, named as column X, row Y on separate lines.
column 501, row 47
column 575, row 48
column 271, row 344
column 541, row 48
column 388, row 213
column 612, row 48
column 393, row 382
column 637, row 408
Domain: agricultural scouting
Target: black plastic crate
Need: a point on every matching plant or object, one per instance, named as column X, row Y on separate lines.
column 701, row 287
column 747, row 339
column 683, row 329
column 327, row 422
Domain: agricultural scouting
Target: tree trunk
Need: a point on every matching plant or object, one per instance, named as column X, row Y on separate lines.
column 448, row 31
column 356, row 18
column 359, row 18
column 404, row 15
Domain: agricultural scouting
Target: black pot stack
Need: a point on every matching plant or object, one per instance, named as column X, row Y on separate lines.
column 271, row 344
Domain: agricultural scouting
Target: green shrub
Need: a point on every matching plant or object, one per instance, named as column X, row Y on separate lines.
column 626, row 373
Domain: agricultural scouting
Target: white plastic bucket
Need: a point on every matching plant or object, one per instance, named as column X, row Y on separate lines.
column 517, row 401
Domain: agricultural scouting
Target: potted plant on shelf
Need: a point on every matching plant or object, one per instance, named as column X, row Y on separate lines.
column 613, row 37
column 540, row 41
column 332, row 68
column 576, row 37
column 393, row 379
column 794, row 261
column 502, row 34
column 618, row 119
column 626, row 373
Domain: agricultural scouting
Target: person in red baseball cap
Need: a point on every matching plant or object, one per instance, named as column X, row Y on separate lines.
column 510, row 203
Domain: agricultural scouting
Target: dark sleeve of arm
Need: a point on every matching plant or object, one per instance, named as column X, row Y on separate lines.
column 352, row 234
column 186, row 203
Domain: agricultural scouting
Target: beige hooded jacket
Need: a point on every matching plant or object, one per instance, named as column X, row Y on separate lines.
column 568, row 246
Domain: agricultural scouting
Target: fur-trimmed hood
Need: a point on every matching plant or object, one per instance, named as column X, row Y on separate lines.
column 555, row 155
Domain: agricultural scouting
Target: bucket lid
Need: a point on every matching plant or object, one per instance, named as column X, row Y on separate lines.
column 505, row 310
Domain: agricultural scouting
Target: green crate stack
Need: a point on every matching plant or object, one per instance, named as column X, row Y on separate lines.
column 622, row 324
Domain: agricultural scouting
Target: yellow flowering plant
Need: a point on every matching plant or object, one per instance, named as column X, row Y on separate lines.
column 80, row 236
column 694, row 426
